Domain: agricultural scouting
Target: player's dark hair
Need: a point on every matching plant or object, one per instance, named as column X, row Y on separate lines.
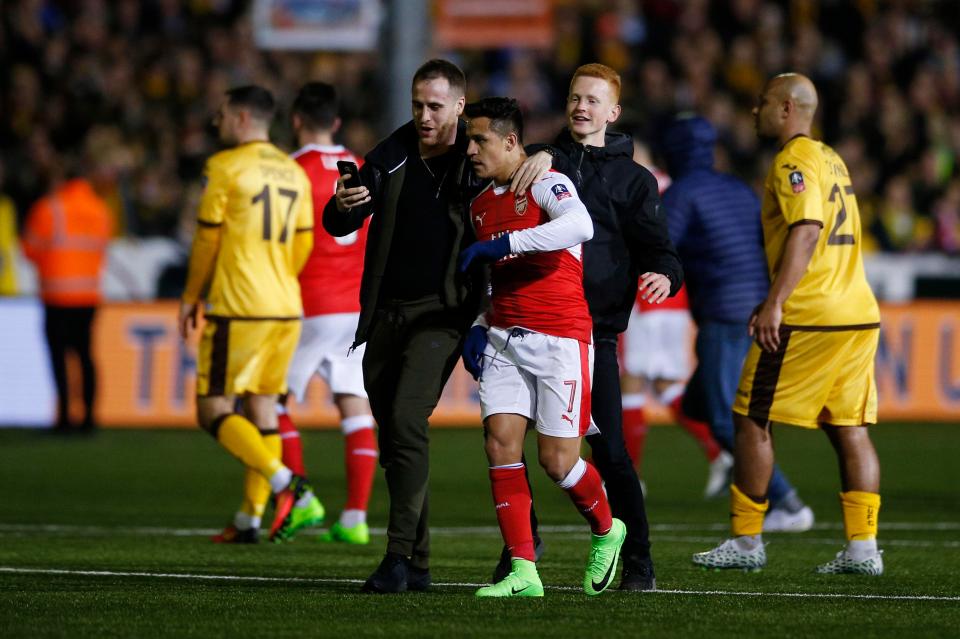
column 504, row 114
column 437, row 68
column 318, row 105
column 258, row 100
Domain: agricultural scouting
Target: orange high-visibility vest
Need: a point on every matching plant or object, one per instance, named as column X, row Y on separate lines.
column 66, row 236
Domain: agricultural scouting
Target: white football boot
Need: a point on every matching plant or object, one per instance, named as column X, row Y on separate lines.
column 730, row 554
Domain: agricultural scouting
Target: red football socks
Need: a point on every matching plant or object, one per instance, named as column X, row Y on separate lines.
column 360, row 459
column 292, row 455
column 590, row 498
column 699, row 430
column 635, row 433
column 511, row 497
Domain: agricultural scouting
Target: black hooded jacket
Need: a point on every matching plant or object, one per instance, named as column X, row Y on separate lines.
column 630, row 234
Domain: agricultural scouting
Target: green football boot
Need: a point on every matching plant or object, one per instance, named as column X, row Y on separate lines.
column 602, row 563
column 522, row 581
column 300, row 517
column 358, row 535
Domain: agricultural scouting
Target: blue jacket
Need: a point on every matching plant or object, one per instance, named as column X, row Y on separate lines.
column 714, row 222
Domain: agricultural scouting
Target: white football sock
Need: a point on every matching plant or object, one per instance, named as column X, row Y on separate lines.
column 861, row 549
column 353, row 517
column 280, row 479
column 748, row 543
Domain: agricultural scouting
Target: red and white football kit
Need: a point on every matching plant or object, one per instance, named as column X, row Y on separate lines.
column 539, row 357
column 656, row 344
column 330, row 288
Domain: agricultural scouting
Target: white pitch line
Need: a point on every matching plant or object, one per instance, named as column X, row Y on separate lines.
column 443, row 530
column 18, row 530
column 344, row 581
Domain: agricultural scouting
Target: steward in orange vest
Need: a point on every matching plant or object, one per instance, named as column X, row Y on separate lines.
column 66, row 236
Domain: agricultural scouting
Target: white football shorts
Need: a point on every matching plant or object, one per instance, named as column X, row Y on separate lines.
column 324, row 343
column 656, row 344
column 542, row 377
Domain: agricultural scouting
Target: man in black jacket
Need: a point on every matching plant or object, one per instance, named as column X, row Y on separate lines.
column 415, row 306
column 631, row 243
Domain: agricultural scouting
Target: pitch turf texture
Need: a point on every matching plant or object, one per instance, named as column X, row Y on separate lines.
column 108, row 536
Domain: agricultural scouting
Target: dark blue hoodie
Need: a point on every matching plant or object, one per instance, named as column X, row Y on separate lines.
column 714, row 222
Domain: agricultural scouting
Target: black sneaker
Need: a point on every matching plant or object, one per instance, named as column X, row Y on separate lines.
column 390, row 576
column 418, row 579
column 638, row 574
column 504, row 566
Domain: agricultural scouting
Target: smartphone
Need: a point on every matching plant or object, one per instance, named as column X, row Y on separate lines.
column 349, row 168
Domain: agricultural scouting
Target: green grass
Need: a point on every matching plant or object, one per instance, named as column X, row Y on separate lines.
column 143, row 501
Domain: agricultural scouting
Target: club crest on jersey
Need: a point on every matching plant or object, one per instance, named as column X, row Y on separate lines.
column 520, row 204
column 796, row 182
column 560, row 192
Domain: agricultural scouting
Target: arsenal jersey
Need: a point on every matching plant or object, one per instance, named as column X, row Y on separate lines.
column 330, row 280
column 540, row 287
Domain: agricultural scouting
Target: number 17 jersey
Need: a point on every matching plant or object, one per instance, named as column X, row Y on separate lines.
column 808, row 183
column 260, row 199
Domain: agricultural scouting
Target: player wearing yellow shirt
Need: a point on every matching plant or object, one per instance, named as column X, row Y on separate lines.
column 254, row 234
column 812, row 364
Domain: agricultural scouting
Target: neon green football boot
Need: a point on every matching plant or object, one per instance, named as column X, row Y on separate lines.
column 358, row 535
column 300, row 517
column 522, row 581
column 604, row 553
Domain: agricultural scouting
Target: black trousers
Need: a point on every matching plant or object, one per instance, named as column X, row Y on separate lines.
column 610, row 453
column 411, row 352
column 68, row 329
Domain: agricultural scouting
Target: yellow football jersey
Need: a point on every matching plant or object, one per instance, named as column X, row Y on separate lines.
column 809, row 183
column 260, row 198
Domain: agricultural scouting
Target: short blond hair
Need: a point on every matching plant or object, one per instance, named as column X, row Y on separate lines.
column 602, row 71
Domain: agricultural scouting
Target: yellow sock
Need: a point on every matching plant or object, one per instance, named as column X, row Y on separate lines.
column 860, row 511
column 242, row 440
column 746, row 515
column 256, row 488
column 256, row 492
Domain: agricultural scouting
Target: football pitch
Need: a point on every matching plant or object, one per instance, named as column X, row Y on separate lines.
column 108, row 536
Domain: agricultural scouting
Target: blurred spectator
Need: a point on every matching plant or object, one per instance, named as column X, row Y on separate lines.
column 897, row 226
column 946, row 213
column 65, row 236
column 8, row 242
column 153, row 71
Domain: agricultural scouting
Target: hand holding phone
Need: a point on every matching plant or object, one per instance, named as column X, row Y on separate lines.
column 349, row 169
column 350, row 178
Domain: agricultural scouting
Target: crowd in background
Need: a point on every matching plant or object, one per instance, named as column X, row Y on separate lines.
column 125, row 90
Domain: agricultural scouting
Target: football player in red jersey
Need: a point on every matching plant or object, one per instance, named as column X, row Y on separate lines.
column 330, row 286
column 532, row 351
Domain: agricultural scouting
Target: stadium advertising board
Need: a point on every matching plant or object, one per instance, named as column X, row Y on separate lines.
column 147, row 373
column 345, row 25
column 493, row 23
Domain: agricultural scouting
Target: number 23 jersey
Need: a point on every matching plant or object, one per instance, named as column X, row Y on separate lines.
column 808, row 183
column 260, row 199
